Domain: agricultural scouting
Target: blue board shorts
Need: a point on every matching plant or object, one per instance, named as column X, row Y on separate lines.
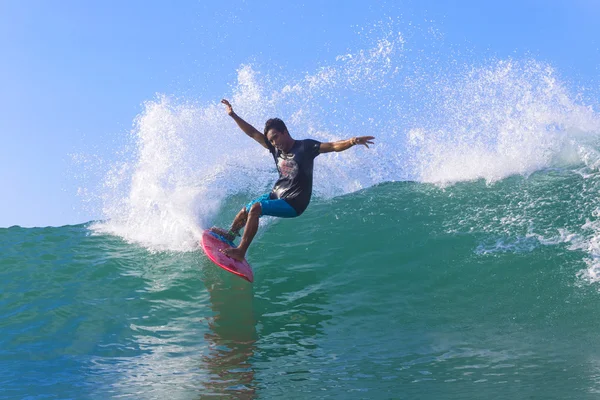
column 276, row 208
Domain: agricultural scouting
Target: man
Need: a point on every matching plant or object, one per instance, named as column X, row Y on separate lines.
column 292, row 191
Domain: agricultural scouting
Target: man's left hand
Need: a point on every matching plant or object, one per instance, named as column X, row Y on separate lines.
column 364, row 140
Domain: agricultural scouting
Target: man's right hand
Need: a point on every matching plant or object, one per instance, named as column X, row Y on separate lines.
column 228, row 107
column 246, row 127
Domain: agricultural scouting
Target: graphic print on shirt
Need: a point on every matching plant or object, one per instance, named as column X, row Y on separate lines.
column 288, row 167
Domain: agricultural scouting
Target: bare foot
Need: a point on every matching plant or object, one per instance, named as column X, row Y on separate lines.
column 235, row 253
column 222, row 232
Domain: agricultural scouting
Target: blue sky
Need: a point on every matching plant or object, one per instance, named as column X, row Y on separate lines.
column 74, row 75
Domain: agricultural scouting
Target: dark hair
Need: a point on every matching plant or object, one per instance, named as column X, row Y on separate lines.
column 277, row 124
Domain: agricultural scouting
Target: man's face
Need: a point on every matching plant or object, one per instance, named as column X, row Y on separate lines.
column 277, row 138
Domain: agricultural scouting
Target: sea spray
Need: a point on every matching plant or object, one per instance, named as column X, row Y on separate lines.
column 509, row 117
column 435, row 118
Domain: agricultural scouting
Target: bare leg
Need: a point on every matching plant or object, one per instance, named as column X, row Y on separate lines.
column 239, row 221
column 239, row 253
column 237, row 224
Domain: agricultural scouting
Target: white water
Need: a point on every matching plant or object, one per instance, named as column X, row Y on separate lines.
column 433, row 120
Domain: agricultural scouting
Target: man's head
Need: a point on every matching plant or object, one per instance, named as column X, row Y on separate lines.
column 278, row 135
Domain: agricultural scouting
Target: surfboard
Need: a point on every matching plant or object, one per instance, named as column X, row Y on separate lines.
column 212, row 244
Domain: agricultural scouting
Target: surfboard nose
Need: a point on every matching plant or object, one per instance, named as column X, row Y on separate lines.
column 213, row 245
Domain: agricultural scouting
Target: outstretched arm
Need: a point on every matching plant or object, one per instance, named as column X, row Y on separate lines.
column 342, row 145
column 246, row 127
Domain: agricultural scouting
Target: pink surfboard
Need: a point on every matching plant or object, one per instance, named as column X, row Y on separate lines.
column 212, row 244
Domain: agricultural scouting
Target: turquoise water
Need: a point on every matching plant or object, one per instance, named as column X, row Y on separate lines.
column 403, row 290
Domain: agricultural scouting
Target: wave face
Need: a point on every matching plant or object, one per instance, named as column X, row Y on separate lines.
column 467, row 291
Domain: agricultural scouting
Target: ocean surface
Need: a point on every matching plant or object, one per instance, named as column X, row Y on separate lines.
column 457, row 258
column 403, row 290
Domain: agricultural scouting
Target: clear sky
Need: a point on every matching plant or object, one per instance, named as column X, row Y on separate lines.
column 74, row 75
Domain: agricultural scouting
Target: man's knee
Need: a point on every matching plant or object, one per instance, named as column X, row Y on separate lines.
column 255, row 210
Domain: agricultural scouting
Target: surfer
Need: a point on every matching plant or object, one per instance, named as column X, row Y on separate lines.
column 292, row 191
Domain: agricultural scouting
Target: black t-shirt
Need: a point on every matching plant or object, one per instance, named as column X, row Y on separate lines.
column 295, row 173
